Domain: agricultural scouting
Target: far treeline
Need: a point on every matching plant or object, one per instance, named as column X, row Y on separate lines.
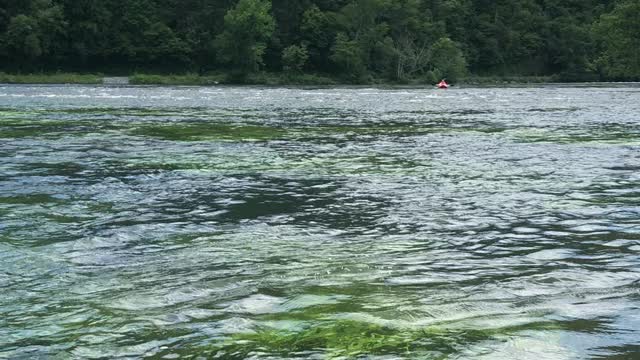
column 351, row 40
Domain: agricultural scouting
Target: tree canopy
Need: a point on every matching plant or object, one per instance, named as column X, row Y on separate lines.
column 352, row 39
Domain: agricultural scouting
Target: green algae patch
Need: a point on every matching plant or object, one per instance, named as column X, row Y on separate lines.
column 24, row 131
column 607, row 139
column 10, row 114
column 248, row 132
column 28, row 199
column 343, row 338
column 342, row 166
column 67, row 219
column 604, row 136
column 23, row 128
column 200, row 132
column 134, row 112
column 394, row 130
column 352, row 339
column 16, row 133
column 399, row 130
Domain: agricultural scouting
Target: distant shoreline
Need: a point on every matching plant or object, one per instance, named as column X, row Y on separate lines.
column 262, row 79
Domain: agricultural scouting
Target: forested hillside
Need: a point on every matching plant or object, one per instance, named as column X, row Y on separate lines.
column 354, row 40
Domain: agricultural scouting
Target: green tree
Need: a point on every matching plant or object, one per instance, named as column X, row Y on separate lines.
column 363, row 23
column 394, row 39
column 164, row 47
column 619, row 35
column 295, row 57
column 348, row 55
column 41, row 34
column 568, row 46
column 52, row 27
column 247, row 27
column 22, row 38
column 317, row 34
column 90, row 27
column 447, row 60
column 412, row 57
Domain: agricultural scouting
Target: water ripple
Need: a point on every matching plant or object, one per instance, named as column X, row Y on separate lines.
column 319, row 223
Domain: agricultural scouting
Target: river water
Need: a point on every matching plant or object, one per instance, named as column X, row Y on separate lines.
column 275, row 223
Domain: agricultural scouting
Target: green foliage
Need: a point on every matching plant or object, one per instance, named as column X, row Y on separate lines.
column 295, row 57
column 349, row 57
column 164, row 45
column 356, row 40
column 22, row 38
column 58, row 78
column 30, row 37
column 317, row 34
column 188, row 79
column 447, row 60
column 248, row 26
column 619, row 34
column 315, row 27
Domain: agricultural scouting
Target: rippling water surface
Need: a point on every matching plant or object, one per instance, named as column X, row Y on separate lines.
column 320, row 223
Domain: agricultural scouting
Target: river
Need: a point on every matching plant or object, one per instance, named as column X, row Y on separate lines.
column 313, row 223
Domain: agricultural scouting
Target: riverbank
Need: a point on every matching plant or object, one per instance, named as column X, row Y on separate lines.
column 263, row 78
column 55, row 78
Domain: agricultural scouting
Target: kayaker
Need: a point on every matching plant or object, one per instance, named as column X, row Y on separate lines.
column 443, row 84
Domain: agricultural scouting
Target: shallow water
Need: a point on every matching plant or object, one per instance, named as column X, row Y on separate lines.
column 319, row 223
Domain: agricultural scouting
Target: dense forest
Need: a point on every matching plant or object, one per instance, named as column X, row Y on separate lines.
column 354, row 40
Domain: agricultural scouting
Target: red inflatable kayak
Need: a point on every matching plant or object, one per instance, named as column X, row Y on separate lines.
column 442, row 85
